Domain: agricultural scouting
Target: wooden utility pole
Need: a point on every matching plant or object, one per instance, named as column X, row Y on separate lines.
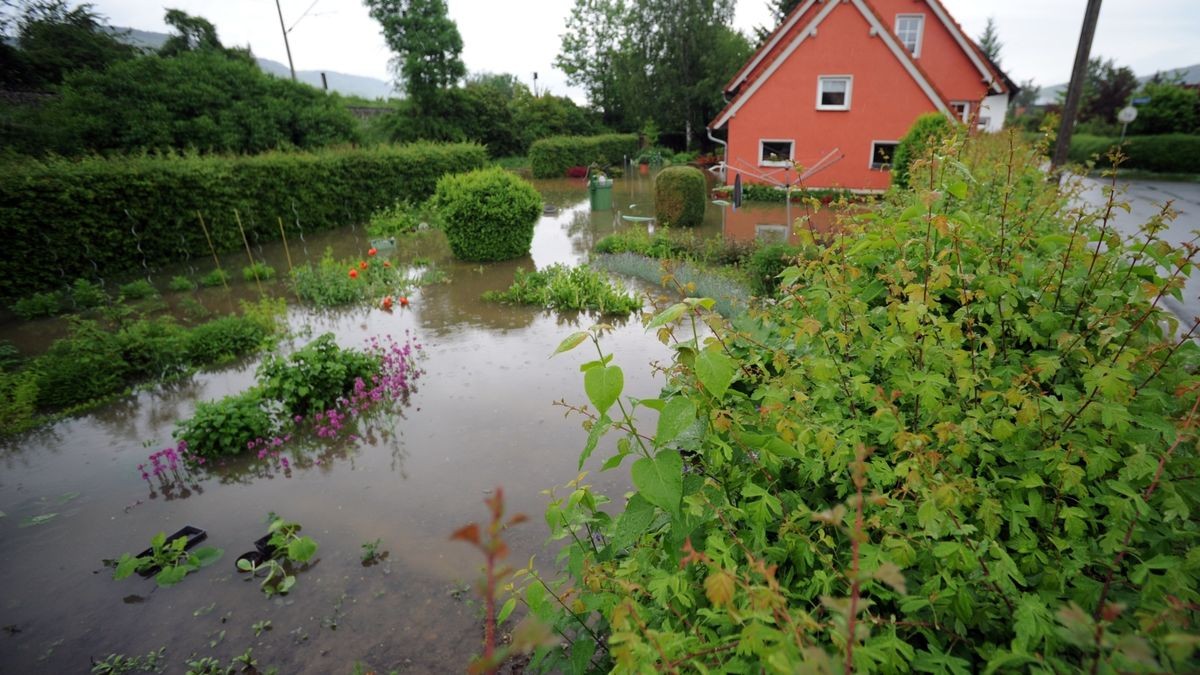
column 287, row 46
column 1075, row 89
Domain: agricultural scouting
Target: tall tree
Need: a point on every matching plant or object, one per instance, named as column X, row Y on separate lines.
column 779, row 11
column 427, row 45
column 1106, row 90
column 990, row 42
column 54, row 38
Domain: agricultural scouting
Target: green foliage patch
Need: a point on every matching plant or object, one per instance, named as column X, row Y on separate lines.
column 1166, row 153
column 106, row 208
column 568, row 288
column 927, row 132
column 487, row 214
column 551, row 157
column 680, row 196
column 964, row 439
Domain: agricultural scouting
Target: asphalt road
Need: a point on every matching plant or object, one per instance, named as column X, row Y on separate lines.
column 1146, row 199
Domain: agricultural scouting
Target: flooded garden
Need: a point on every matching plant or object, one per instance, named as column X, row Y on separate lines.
column 474, row 409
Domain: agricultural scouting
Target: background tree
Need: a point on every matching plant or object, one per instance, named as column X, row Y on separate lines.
column 779, row 11
column 1106, row 90
column 53, row 38
column 1172, row 109
column 190, row 33
column 989, row 41
column 427, row 45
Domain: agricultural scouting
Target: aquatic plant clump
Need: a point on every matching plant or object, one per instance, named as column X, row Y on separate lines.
column 568, row 288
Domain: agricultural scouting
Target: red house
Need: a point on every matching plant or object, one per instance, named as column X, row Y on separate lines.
column 839, row 82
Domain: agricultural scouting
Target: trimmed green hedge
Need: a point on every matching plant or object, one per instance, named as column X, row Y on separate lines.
column 71, row 214
column 680, row 195
column 488, row 214
column 1166, row 153
column 551, row 157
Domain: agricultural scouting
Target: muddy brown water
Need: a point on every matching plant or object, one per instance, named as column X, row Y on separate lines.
column 482, row 415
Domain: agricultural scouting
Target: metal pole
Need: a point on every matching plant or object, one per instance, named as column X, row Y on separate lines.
column 286, row 46
column 1075, row 90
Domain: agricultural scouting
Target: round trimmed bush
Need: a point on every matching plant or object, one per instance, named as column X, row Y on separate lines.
column 927, row 131
column 487, row 214
column 680, row 196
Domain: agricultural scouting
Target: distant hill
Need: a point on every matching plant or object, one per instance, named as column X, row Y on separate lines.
column 1051, row 94
column 342, row 83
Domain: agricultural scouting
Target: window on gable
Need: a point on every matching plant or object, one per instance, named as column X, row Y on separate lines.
column 882, row 153
column 909, row 28
column 833, row 92
column 775, row 153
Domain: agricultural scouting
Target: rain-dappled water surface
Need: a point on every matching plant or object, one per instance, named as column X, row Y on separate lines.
column 481, row 415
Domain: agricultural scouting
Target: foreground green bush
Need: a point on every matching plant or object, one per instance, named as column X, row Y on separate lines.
column 551, row 157
column 765, row 266
column 1167, row 153
column 680, row 196
column 926, row 132
column 101, row 210
column 488, row 214
column 963, row 440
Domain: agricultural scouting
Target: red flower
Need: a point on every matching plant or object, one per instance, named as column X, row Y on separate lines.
column 372, row 251
column 362, row 264
column 404, row 301
column 386, row 304
column 387, row 264
column 353, row 274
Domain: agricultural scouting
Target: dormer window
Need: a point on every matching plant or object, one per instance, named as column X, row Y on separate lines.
column 910, row 29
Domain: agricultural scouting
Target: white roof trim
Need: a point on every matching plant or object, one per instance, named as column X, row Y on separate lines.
column 762, row 54
column 962, row 42
column 902, row 55
column 809, row 30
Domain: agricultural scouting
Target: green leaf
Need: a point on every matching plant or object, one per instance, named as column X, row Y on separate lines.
column 582, row 651
column 715, row 371
column 660, row 480
column 958, row 189
column 668, row 315
column 169, row 576
column 677, row 415
column 632, row 524
column 301, row 550
column 207, row 555
column 599, row 427
column 507, row 609
column 603, row 386
column 126, row 566
column 287, row 583
column 38, row 520
column 573, row 340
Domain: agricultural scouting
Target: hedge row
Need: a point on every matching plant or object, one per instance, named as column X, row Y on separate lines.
column 1167, row 153
column 551, row 157
column 61, row 217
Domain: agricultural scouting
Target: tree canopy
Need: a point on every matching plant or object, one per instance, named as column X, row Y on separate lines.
column 52, row 39
column 426, row 42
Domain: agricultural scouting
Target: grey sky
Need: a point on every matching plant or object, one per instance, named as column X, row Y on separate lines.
column 522, row 36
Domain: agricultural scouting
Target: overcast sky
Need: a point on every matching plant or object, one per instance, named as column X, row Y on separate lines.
column 522, row 36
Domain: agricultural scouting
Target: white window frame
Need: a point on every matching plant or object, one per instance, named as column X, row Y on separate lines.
column 916, row 51
column 821, row 80
column 871, row 157
column 966, row 114
column 762, row 161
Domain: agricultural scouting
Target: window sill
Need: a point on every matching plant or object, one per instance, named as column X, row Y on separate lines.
column 833, row 108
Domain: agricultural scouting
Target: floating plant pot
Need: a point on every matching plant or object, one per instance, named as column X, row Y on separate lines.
column 194, row 536
column 263, row 544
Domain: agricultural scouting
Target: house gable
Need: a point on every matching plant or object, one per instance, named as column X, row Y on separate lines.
column 886, row 92
column 792, row 34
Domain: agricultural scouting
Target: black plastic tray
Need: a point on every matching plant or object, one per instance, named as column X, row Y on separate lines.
column 194, row 536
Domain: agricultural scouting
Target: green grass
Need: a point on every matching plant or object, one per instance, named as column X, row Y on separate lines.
column 568, row 288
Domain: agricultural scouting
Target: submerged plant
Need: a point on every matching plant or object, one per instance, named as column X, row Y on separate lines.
column 286, row 548
column 371, row 552
column 215, row 278
column 170, row 558
column 119, row 664
column 181, row 284
column 568, row 288
column 259, row 271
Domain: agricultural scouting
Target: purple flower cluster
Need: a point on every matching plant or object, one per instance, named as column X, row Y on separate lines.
column 168, row 463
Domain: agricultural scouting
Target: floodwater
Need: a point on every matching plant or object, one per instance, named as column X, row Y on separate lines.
column 482, row 415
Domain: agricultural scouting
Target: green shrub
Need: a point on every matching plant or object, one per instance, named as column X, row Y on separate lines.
column 259, row 271
column 18, row 401
column 680, row 196
column 87, row 295
column 181, row 284
column 568, row 289
column 754, row 192
column 1168, row 153
column 658, row 245
column 313, row 378
column 109, row 207
column 86, row 365
column 139, row 289
column 765, row 266
column 960, row 449
column 222, row 428
column 152, row 348
column 215, row 278
column 38, row 305
column 327, row 283
column 10, row 356
column 223, row 339
column 551, row 157
column 398, row 219
column 488, row 214
column 925, row 134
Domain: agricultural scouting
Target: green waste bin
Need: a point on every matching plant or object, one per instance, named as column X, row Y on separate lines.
column 600, row 191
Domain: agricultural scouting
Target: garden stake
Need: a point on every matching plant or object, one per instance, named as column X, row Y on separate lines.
column 224, row 281
column 285, row 244
column 249, row 255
